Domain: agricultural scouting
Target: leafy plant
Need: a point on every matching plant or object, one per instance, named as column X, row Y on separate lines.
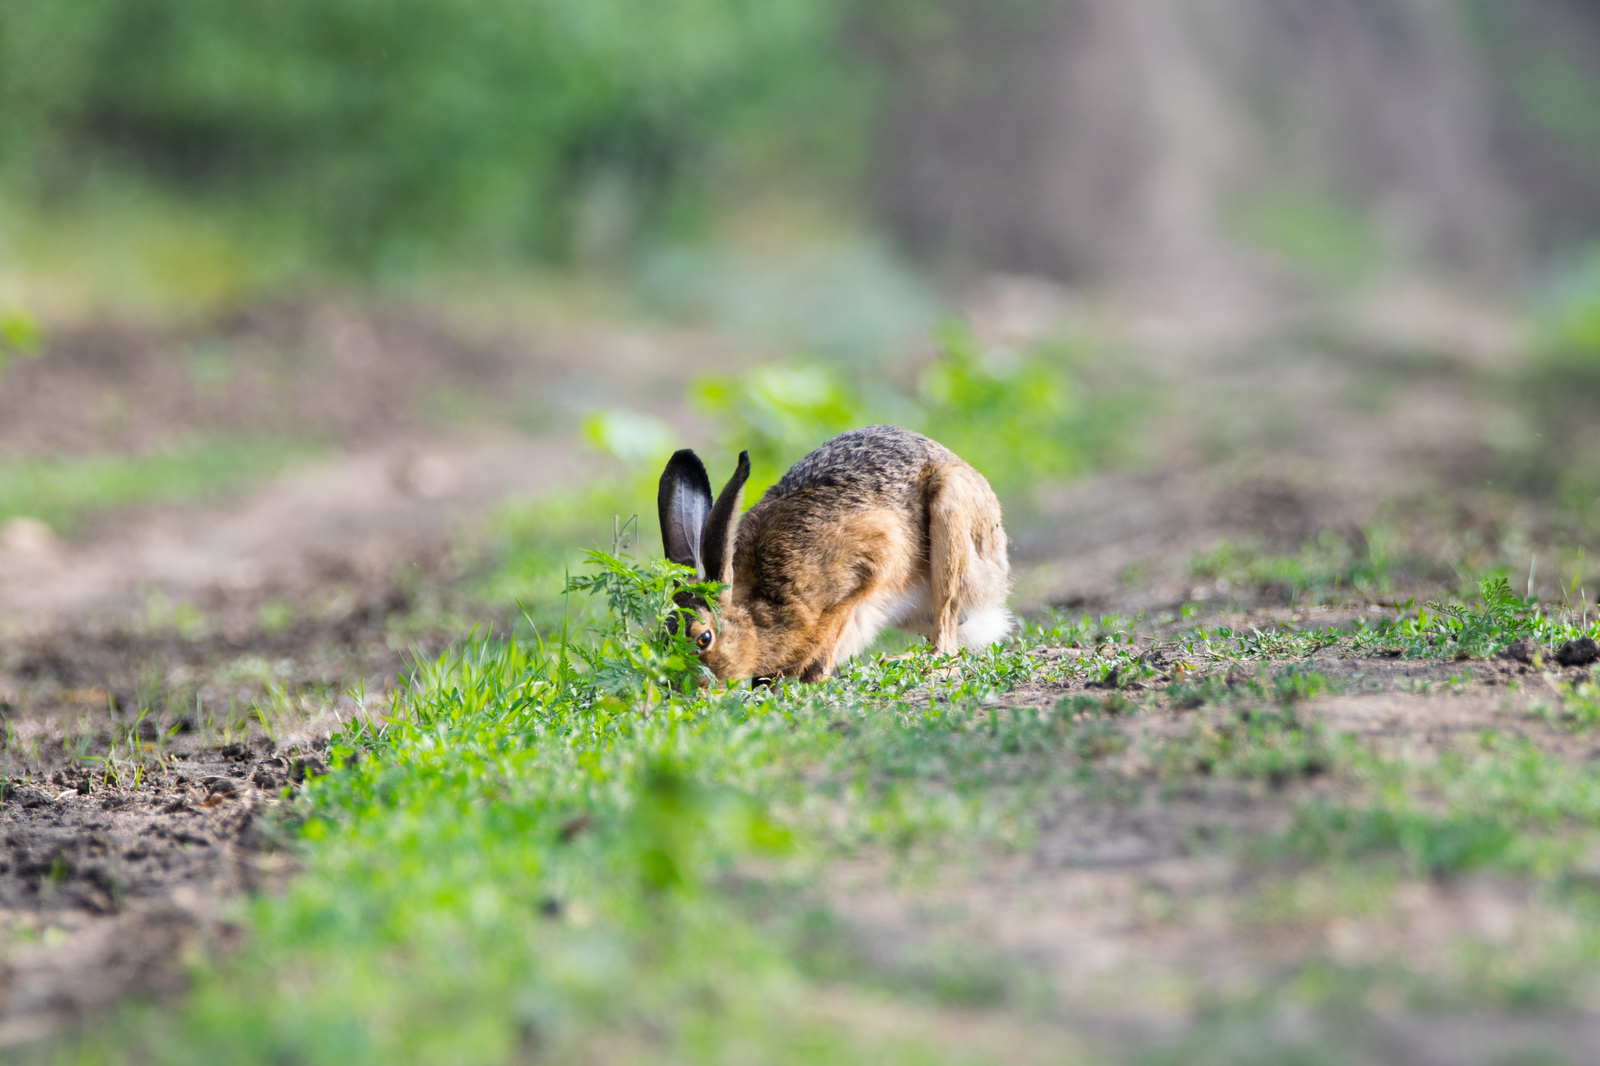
column 1501, row 617
column 640, row 653
column 778, row 413
column 1020, row 419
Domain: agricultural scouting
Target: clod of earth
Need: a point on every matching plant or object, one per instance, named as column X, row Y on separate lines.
column 1524, row 649
column 1580, row 652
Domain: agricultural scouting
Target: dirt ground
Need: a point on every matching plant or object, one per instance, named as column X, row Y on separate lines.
column 1126, row 909
column 145, row 632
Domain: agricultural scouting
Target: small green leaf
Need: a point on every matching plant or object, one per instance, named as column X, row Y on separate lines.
column 19, row 333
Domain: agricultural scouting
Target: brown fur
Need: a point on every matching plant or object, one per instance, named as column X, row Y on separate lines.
column 879, row 526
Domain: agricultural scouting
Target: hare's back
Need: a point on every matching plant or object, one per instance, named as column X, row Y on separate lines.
column 855, row 503
column 872, row 465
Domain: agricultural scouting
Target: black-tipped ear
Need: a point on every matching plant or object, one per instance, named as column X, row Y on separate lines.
column 685, row 505
column 720, row 526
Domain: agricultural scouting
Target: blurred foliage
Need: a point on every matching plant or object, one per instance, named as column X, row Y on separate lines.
column 1320, row 237
column 1327, row 569
column 386, row 129
column 1563, row 99
column 635, row 439
column 62, row 492
column 778, row 413
column 1020, row 419
column 19, row 335
column 1560, row 392
column 1544, row 77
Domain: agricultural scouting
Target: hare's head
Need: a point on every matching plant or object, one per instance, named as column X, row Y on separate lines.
column 697, row 532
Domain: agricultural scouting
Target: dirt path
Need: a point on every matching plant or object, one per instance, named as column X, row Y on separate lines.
column 362, row 513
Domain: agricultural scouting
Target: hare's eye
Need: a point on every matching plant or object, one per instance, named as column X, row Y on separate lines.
column 703, row 641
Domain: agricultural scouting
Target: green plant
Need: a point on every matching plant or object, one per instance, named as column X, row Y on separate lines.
column 1500, row 619
column 1021, row 420
column 1579, row 708
column 778, row 413
column 639, row 653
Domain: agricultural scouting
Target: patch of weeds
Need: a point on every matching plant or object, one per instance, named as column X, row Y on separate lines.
column 1274, row 746
column 1325, row 568
column 1284, row 687
column 1293, row 685
column 276, row 616
column 1278, row 642
column 946, row 973
column 1188, row 695
column 1094, row 706
column 1093, row 741
column 1506, row 805
column 1501, row 617
column 1579, row 709
column 1251, row 1033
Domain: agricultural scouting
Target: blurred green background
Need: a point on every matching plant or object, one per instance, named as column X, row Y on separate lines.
column 825, row 182
column 250, row 143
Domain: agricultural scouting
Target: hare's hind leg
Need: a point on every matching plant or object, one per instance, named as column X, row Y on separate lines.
column 970, row 574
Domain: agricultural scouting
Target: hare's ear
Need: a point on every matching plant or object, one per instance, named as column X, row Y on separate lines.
column 685, row 505
column 721, row 526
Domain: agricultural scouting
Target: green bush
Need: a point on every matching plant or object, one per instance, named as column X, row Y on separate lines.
column 389, row 126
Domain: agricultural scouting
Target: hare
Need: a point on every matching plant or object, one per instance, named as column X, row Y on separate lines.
column 878, row 527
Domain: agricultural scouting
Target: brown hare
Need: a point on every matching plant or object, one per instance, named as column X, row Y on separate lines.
column 878, row 527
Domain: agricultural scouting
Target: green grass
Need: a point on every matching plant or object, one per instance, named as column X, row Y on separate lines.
column 63, row 492
column 1327, row 568
column 546, row 842
column 556, row 845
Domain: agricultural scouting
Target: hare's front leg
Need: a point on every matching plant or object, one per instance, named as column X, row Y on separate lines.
column 825, row 642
